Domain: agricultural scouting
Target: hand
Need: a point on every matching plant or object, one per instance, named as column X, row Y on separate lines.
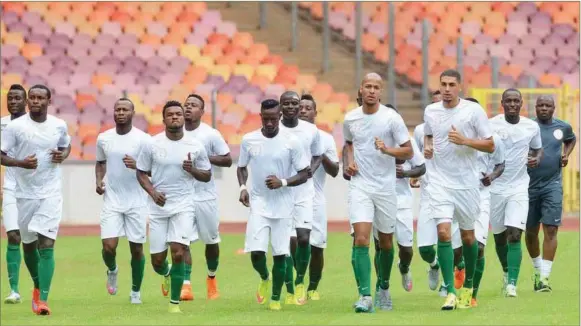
column 188, row 165
column 564, row 160
column 533, row 162
column 346, row 176
column 309, row 172
column 272, row 182
column 158, row 198
column 244, row 198
column 30, row 162
column 415, row 182
column 455, row 137
column 486, row 179
column 129, row 162
column 380, row 145
column 57, row 156
column 399, row 171
column 428, row 152
column 100, row 188
column 351, row 169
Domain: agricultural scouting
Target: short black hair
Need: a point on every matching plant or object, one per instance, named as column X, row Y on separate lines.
column 40, row 86
column 18, row 87
column 289, row 93
column 169, row 104
column 511, row 90
column 309, row 97
column 126, row 100
column 471, row 99
column 199, row 98
column 268, row 104
column 437, row 92
column 451, row 73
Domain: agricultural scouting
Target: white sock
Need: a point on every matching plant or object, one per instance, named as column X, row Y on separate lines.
column 186, row 282
column 546, row 268
column 434, row 263
column 134, row 293
column 537, row 263
column 211, row 273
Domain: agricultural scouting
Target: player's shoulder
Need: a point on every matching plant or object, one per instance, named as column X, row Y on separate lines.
column 497, row 118
column 354, row 114
column 254, row 135
column 558, row 123
column 289, row 138
column 419, row 128
column 54, row 120
column 310, row 127
column 5, row 120
column 529, row 123
column 434, row 107
column 324, row 135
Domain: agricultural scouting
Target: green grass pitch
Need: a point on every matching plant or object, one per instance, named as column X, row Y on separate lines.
column 78, row 295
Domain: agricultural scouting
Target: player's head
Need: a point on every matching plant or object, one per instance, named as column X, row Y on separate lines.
column 471, row 99
column 290, row 103
column 371, row 87
column 545, row 107
column 511, row 102
column 173, row 116
column 194, row 108
column 16, row 99
column 270, row 115
column 359, row 100
column 123, row 111
column 450, row 85
column 38, row 99
column 308, row 108
column 436, row 96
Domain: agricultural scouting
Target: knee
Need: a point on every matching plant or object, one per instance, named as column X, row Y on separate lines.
column 550, row 232
column 513, row 235
column 157, row 261
column 480, row 250
column 316, row 251
column 468, row 237
column 44, row 242
column 14, row 237
column 386, row 241
column 407, row 251
column 136, row 250
column 361, row 240
column 303, row 237
column 111, row 249
column 444, row 235
column 257, row 255
column 531, row 234
column 177, row 252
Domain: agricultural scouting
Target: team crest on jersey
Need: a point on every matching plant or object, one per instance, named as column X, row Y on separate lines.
column 503, row 134
column 159, row 152
column 558, row 134
column 255, row 150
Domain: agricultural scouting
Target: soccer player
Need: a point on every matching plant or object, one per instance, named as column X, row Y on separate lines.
column 37, row 142
column 124, row 210
column 375, row 137
column 330, row 166
column 16, row 101
column 546, row 190
column 308, row 135
column 277, row 160
column 174, row 160
column 509, row 197
column 206, row 219
column 455, row 131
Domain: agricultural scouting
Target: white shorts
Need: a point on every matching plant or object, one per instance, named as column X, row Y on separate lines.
column 259, row 230
column 508, row 210
column 379, row 209
column 404, row 228
column 206, row 222
column 318, row 236
column 462, row 205
column 131, row 224
column 9, row 211
column 176, row 228
column 303, row 215
column 39, row 216
column 427, row 229
column 481, row 225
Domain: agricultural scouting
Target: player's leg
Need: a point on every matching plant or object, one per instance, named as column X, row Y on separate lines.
column 532, row 238
column 187, row 294
column 179, row 233
column 515, row 222
column 404, row 233
column 552, row 208
column 427, row 235
column 135, row 229
column 318, row 241
column 385, row 220
column 13, row 256
column 497, row 216
column 208, row 225
column 481, row 233
column 376, row 257
column 256, row 243
column 289, row 279
column 303, row 221
column 26, row 209
column 478, row 273
column 158, row 245
column 112, row 227
column 459, row 264
column 280, row 232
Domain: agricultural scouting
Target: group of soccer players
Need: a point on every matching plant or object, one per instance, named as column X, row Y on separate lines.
column 473, row 172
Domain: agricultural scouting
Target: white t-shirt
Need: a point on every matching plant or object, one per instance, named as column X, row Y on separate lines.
column 164, row 158
column 320, row 175
column 282, row 156
column 419, row 138
column 24, row 137
column 215, row 145
column 9, row 178
column 455, row 166
column 122, row 190
column 376, row 170
column 402, row 186
column 308, row 135
column 517, row 139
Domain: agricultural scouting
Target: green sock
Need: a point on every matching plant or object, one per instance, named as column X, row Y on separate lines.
column 278, row 276
column 502, row 253
column 162, row 270
column 46, row 271
column 376, row 258
column 303, row 256
column 470, row 254
column 177, row 280
column 31, row 260
column 385, row 266
column 259, row 264
column 212, row 267
column 363, row 270
column 478, row 275
column 446, row 260
column 109, row 260
column 188, row 273
column 514, row 259
column 462, row 263
column 13, row 259
column 288, row 276
column 354, row 268
column 428, row 254
column 137, row 269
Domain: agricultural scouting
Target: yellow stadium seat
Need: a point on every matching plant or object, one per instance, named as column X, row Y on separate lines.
column 206, row 62
column 14, row 39
column 190, row 51
column 244, row 70
column 221, row 70
column 88, row 29
column 268, row 71
column 306, row 82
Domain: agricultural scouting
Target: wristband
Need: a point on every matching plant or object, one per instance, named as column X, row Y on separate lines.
column 284, row 182
column 242, row 187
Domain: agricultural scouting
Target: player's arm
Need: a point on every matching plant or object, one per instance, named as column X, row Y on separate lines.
column 417, row 162
column 223, row 157
column 8, row 141
column 569, row 141
column 100, row 167
column 345, row 162
column 484, row 142
column 331, row 167
column 242, row 173
column 224, row 161
column 201, row 169
column 298, row 179
column 415, row 172
column 63, row 146
column 318, row 150
column 535, row 149
column 401, row 135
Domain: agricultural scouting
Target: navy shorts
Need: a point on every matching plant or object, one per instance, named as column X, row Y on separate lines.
column 545, row 207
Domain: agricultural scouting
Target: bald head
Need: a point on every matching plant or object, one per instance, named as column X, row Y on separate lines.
column 372, row 76
column 371, row 87
column 545, row 99
column 545, row 108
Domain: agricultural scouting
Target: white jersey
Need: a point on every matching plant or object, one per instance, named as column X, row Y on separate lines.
column 308, row 135
column 24, row 137
column 402, row 187
column 9, row 178
column 282, row 156
column 122, row 190
column 320, row 175
column 517, row 139
column 455, row 166
column 164, row 158
column 419, row 138
column 215, row 145
column 487, row 161
column 376, row 170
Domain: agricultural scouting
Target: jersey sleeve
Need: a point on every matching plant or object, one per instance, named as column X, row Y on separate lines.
column 219, row 146
column 536, row 142
column 481, row 124
column 145, row 158
column 347, row 135
column 201, row 161
column 331, row 149
column 418, row 158
column 298, row 157
column 65, row 138
column 100, row 149
column 244, row 157
column 8, row 139
column 317, row 147
column 418, row 137
column 427, row 126
column 399, row 130
column 498, row 156
column 568, row 133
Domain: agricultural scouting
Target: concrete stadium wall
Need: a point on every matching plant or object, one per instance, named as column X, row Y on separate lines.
column 81, row 205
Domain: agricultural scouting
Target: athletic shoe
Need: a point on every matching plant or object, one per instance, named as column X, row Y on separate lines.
column 212, row 288
column 450, row 303
column 112, row 281
column 290, row 299
column 459, row 276
column 364, row 305
column 187, row 294
column 464, row 298
column 537, row 282
column 385, row 302
column 300, row 294
column 166, row 285
column 43, row 309
column 443, row 291
column 313, row 295
column 406, row 280
column 262, row 292
column 274, row 305
column 474, row 303
column 504, row 282
column 544, row 285
column 433, row 278
column 135, row 297
column 174, row 308
column 35, row 300
column 510, row 291
column 12, row 298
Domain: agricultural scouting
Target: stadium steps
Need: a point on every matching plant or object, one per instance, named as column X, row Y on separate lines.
column 341, row 74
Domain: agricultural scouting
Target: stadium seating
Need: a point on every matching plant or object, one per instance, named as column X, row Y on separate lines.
column 90, row 53
column 539, row 40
